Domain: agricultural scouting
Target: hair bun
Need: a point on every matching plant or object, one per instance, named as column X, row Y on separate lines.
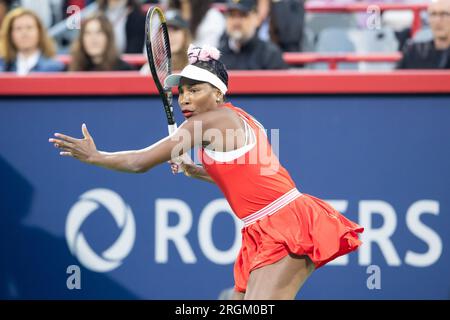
column 205, row 53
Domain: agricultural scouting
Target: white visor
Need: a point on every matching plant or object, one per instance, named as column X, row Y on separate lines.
column 196, row 73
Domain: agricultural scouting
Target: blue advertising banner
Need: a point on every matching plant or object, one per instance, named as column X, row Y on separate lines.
column 73, row 231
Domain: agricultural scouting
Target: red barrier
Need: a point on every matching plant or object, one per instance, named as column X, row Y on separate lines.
column 137, row 60
column 297, row 58
column 241, row 82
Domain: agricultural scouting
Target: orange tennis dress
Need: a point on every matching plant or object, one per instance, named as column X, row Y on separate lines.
column 278, row 219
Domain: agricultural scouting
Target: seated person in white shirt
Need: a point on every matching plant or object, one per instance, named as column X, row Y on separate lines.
column 25, row 46
column 433, row 54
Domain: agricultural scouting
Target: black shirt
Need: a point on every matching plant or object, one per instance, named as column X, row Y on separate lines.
column 135, row 32
column 254, row 55
column 424, row 55
column 120, row 65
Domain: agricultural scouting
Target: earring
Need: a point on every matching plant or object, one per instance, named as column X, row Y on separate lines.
column 218, row 100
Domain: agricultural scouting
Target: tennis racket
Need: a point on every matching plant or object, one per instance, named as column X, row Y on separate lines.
column 159, row 59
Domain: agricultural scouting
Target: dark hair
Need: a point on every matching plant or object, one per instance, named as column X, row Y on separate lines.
column 199, row 8
column 81, row 61
column 216, row 67
column 7, row 3
column 132, row 4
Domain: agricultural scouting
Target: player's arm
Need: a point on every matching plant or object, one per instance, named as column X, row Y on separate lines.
column 86, row 151
column 218, row 121
column 134, row 161
column 198, row 172
column 191, row 170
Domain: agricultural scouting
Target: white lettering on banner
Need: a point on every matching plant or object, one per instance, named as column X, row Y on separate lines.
column 165, row 233
column 380, row 236
column 423, row 232
column 205, row 233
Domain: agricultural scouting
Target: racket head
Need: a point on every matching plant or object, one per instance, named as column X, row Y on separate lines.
column 159, row 56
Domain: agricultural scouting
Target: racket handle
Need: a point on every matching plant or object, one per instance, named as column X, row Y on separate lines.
column 171, row 128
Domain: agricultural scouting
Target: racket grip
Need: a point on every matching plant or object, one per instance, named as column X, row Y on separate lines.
column 171, row 128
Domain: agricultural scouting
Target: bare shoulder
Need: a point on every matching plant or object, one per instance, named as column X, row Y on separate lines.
column 220, row 118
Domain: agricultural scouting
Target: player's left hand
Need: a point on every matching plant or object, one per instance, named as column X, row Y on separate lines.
column 182, row 163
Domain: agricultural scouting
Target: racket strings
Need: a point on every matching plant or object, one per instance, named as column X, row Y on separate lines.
column 160, row 54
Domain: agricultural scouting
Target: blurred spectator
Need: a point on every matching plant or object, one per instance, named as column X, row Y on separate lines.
column 207, row 24
column 240, row 46
column 79, row 3
column 94, row 49
column 434, row 54
column 128, row 21
column 263, row 9
column 286, row 24
column 5, row 5
column 24, row 44
column 69, row 3
column 179, row 37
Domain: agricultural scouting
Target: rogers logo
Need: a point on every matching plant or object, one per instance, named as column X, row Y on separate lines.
column 89, row 202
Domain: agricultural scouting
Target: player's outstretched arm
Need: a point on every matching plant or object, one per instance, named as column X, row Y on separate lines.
column 86, row 151
column 135, row 161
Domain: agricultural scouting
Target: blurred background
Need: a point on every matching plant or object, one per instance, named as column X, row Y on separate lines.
column 359, row 92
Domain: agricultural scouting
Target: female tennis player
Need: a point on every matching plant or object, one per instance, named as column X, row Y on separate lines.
column 286, row 234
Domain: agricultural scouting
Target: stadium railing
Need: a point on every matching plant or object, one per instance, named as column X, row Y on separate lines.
column 241, row 82
column 291, row 58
